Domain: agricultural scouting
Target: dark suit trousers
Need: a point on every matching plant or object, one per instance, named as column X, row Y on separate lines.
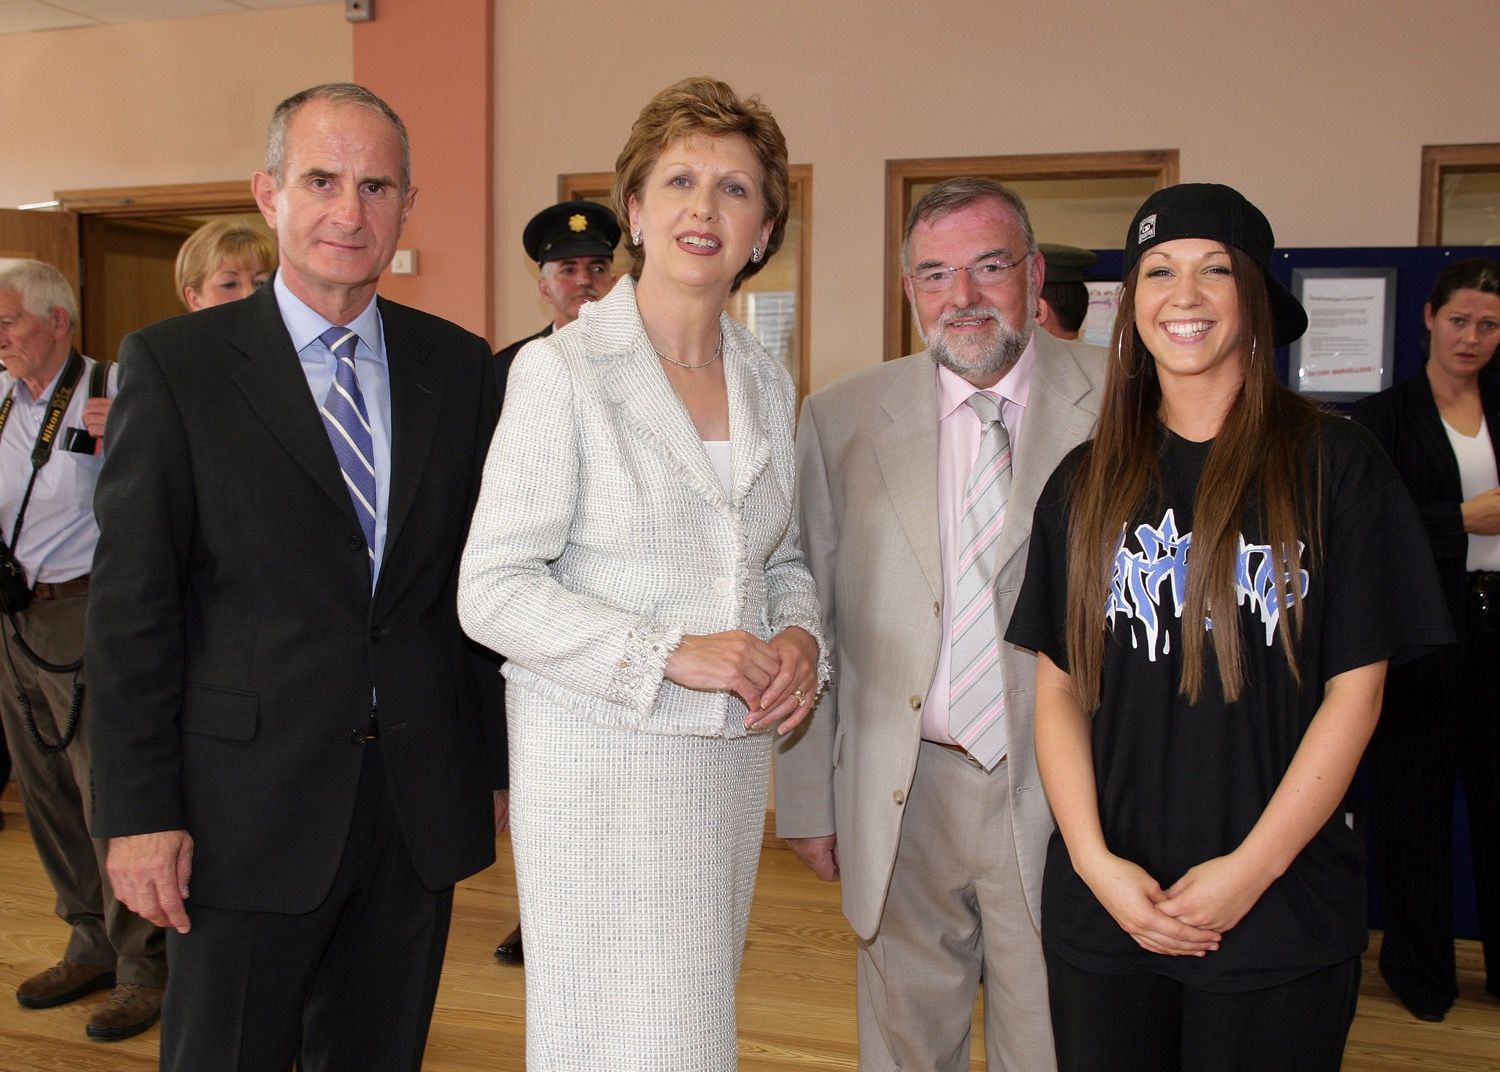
column 347, row 987
column 1434, row 730
column 56, row 794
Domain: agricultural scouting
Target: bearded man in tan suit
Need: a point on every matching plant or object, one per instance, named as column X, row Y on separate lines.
column 915, row 780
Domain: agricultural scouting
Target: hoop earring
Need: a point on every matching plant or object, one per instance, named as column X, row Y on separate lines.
column 1120, row 360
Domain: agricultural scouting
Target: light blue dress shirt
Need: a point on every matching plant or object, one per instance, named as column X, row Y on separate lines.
column 58, row 534
column 373, row 372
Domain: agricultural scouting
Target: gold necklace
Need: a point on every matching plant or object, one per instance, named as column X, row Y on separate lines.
column 683, row 364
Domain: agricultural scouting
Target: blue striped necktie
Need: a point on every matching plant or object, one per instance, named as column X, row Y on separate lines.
column 348, row 424
column 976, row 696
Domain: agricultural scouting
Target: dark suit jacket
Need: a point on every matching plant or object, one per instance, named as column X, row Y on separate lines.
column 504, row 357
column 233, row 640
column 1406, row 422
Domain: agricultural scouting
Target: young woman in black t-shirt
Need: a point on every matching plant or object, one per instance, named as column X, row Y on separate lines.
column 1203, row 906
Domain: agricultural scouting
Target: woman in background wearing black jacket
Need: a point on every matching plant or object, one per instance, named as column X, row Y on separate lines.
column 1442, row 713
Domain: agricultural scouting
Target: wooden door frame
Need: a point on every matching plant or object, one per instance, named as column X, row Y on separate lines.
column 94, row 206
column 175, row 200
column 1437, row 162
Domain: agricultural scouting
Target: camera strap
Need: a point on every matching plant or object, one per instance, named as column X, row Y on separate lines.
column 46, row 436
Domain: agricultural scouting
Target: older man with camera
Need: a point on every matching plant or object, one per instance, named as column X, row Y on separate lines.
column 51, row 428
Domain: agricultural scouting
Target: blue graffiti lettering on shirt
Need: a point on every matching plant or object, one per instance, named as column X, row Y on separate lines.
column 1135, row 589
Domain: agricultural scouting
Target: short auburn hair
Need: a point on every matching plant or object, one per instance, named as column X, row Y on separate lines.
column 703, row 106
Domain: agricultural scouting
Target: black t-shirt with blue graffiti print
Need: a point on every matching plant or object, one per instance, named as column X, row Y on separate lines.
column 1181, row 783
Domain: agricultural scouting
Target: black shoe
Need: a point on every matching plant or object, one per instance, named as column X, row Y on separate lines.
column 509, row 950
column 1428, row 1014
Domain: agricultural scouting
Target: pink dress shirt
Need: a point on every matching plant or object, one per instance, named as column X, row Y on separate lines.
column 958, row 447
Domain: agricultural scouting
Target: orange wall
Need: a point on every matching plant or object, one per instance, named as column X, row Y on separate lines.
column 173, row 101
column 430, row 60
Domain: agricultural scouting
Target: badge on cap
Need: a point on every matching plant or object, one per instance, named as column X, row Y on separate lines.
column 1148, row 229
column 578, row 223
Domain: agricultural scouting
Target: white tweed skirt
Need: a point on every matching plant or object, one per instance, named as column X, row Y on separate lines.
column 636, row 857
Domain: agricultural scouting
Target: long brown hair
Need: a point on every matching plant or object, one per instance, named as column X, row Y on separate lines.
column 1258, row 459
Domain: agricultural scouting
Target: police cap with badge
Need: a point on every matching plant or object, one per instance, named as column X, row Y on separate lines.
column 571, row 229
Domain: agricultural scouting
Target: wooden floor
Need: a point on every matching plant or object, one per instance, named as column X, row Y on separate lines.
column 796, row 994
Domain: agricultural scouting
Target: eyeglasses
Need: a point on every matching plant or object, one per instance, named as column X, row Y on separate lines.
column 986, row 274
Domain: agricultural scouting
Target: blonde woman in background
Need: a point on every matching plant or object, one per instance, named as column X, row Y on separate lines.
column 223, row 261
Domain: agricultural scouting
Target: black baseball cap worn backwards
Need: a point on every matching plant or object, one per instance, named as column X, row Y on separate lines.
column 1220, row 213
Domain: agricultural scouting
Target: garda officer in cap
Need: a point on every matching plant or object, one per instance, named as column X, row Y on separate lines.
column 1064, row 300
column 573, row 243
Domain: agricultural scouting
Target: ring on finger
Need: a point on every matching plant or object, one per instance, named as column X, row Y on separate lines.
column 801, row 696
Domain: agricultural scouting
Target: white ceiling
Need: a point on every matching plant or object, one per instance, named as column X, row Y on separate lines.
column 26, row 16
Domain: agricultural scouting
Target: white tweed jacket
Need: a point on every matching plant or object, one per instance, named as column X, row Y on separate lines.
column 602, row 533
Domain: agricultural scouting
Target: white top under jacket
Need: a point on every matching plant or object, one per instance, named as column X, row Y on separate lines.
column 602, row 534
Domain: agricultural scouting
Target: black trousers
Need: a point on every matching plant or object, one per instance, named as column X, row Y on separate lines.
column 348, row 987
column 1434, row 731
column 1149, row 1023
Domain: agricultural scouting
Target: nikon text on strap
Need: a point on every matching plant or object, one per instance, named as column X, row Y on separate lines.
column 46, row 438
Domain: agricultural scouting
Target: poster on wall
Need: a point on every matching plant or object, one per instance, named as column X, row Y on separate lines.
column 1099, row 322
column 1348, row 351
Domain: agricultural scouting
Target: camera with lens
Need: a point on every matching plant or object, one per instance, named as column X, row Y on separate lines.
column 15, row 592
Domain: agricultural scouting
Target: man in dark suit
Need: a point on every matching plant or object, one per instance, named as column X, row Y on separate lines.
column 295, row 750
column 573, row 244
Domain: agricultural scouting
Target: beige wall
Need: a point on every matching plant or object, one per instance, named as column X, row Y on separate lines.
column 1317, row 111
column 175, row 101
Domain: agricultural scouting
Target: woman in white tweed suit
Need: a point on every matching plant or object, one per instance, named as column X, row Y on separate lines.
column 634, row 557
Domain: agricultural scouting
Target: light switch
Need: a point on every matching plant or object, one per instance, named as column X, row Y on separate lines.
column 404, row 262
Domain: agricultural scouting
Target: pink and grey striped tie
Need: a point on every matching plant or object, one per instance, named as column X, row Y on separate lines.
column 348, row 425
column 976, row 697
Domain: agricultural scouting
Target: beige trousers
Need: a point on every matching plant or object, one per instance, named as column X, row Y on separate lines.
column 955, row 917
column 57, row 794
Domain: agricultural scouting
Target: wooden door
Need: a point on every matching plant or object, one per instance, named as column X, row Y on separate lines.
column 128, row 240
column 44, row 236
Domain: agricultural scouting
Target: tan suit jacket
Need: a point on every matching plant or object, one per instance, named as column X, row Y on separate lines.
column 867, row 485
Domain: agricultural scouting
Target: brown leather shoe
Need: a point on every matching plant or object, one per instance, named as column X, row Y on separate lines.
column 509, row 949
column 65, row 981
column 129, row 1010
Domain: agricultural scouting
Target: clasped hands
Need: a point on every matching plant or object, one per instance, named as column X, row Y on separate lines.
column 1188, row 919
column 777, row 678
